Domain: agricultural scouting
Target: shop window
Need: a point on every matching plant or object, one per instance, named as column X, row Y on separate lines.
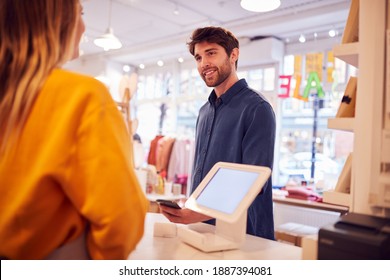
column 340, row 72
column 260, row 78
column 269, row 79
column 154, row 86
column 150, row 86
column 148, row 115
column 255, row 79
column 141, row 88
column 331, row 147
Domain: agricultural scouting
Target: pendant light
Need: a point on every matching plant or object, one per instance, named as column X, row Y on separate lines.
column 108, row 41
column 260, row 5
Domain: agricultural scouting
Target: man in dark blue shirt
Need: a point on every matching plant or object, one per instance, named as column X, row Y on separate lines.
column 236, row 125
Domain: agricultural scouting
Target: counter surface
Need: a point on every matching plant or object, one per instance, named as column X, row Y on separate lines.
column 162, row 248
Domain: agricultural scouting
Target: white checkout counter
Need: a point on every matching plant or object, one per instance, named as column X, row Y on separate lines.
column 172, row 248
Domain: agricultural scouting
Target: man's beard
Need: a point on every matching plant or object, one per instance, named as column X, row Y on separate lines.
column 221, row 73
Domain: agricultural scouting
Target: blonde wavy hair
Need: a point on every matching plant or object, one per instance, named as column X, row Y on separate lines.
column 35, row 37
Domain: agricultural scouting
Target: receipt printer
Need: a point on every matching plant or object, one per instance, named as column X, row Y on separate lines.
column 355, row 236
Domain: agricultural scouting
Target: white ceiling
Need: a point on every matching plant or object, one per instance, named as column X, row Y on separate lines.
column 149, row 30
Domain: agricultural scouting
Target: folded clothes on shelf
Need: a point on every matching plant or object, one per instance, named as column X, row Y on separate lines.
column 305, row 193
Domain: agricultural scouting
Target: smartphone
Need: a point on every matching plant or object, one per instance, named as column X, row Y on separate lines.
column 168, row 203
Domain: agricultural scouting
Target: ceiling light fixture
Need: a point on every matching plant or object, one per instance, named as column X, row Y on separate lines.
column 108, row 41
column 176, row 10
column 160, row 63
column 126, row 68
column 260, row 6
column 332, row 33
column 302, row 38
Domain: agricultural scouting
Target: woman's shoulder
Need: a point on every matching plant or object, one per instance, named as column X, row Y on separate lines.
column 75, row 88
column 73, row 79
column 76, row 85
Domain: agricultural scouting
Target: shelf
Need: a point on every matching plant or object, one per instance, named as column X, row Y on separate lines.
column 311, row 204
column 343, row 199
column 346, row 124
column 348, row 53
column 384, row 179
column 369, row 188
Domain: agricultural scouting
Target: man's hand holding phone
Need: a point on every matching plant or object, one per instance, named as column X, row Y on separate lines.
column 168, row 203
column 176, row 214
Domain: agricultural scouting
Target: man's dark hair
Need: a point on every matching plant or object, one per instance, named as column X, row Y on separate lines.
column 212, row 34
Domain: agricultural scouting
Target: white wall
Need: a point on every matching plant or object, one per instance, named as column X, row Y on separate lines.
column 109, row 72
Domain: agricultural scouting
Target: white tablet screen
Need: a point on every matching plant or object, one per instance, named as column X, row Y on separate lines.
column 226, row 189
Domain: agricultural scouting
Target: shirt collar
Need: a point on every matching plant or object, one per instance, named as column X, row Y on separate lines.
column 230, row 93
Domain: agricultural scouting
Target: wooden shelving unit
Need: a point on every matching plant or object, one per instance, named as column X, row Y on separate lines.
column 348, row 53
column 345, row 124
column 338, row 198
column 368, row 185
column 384, row 179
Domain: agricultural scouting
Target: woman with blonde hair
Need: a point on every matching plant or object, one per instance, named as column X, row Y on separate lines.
column 67, row 185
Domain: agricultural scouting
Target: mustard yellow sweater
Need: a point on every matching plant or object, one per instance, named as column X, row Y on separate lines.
column 71, row 169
